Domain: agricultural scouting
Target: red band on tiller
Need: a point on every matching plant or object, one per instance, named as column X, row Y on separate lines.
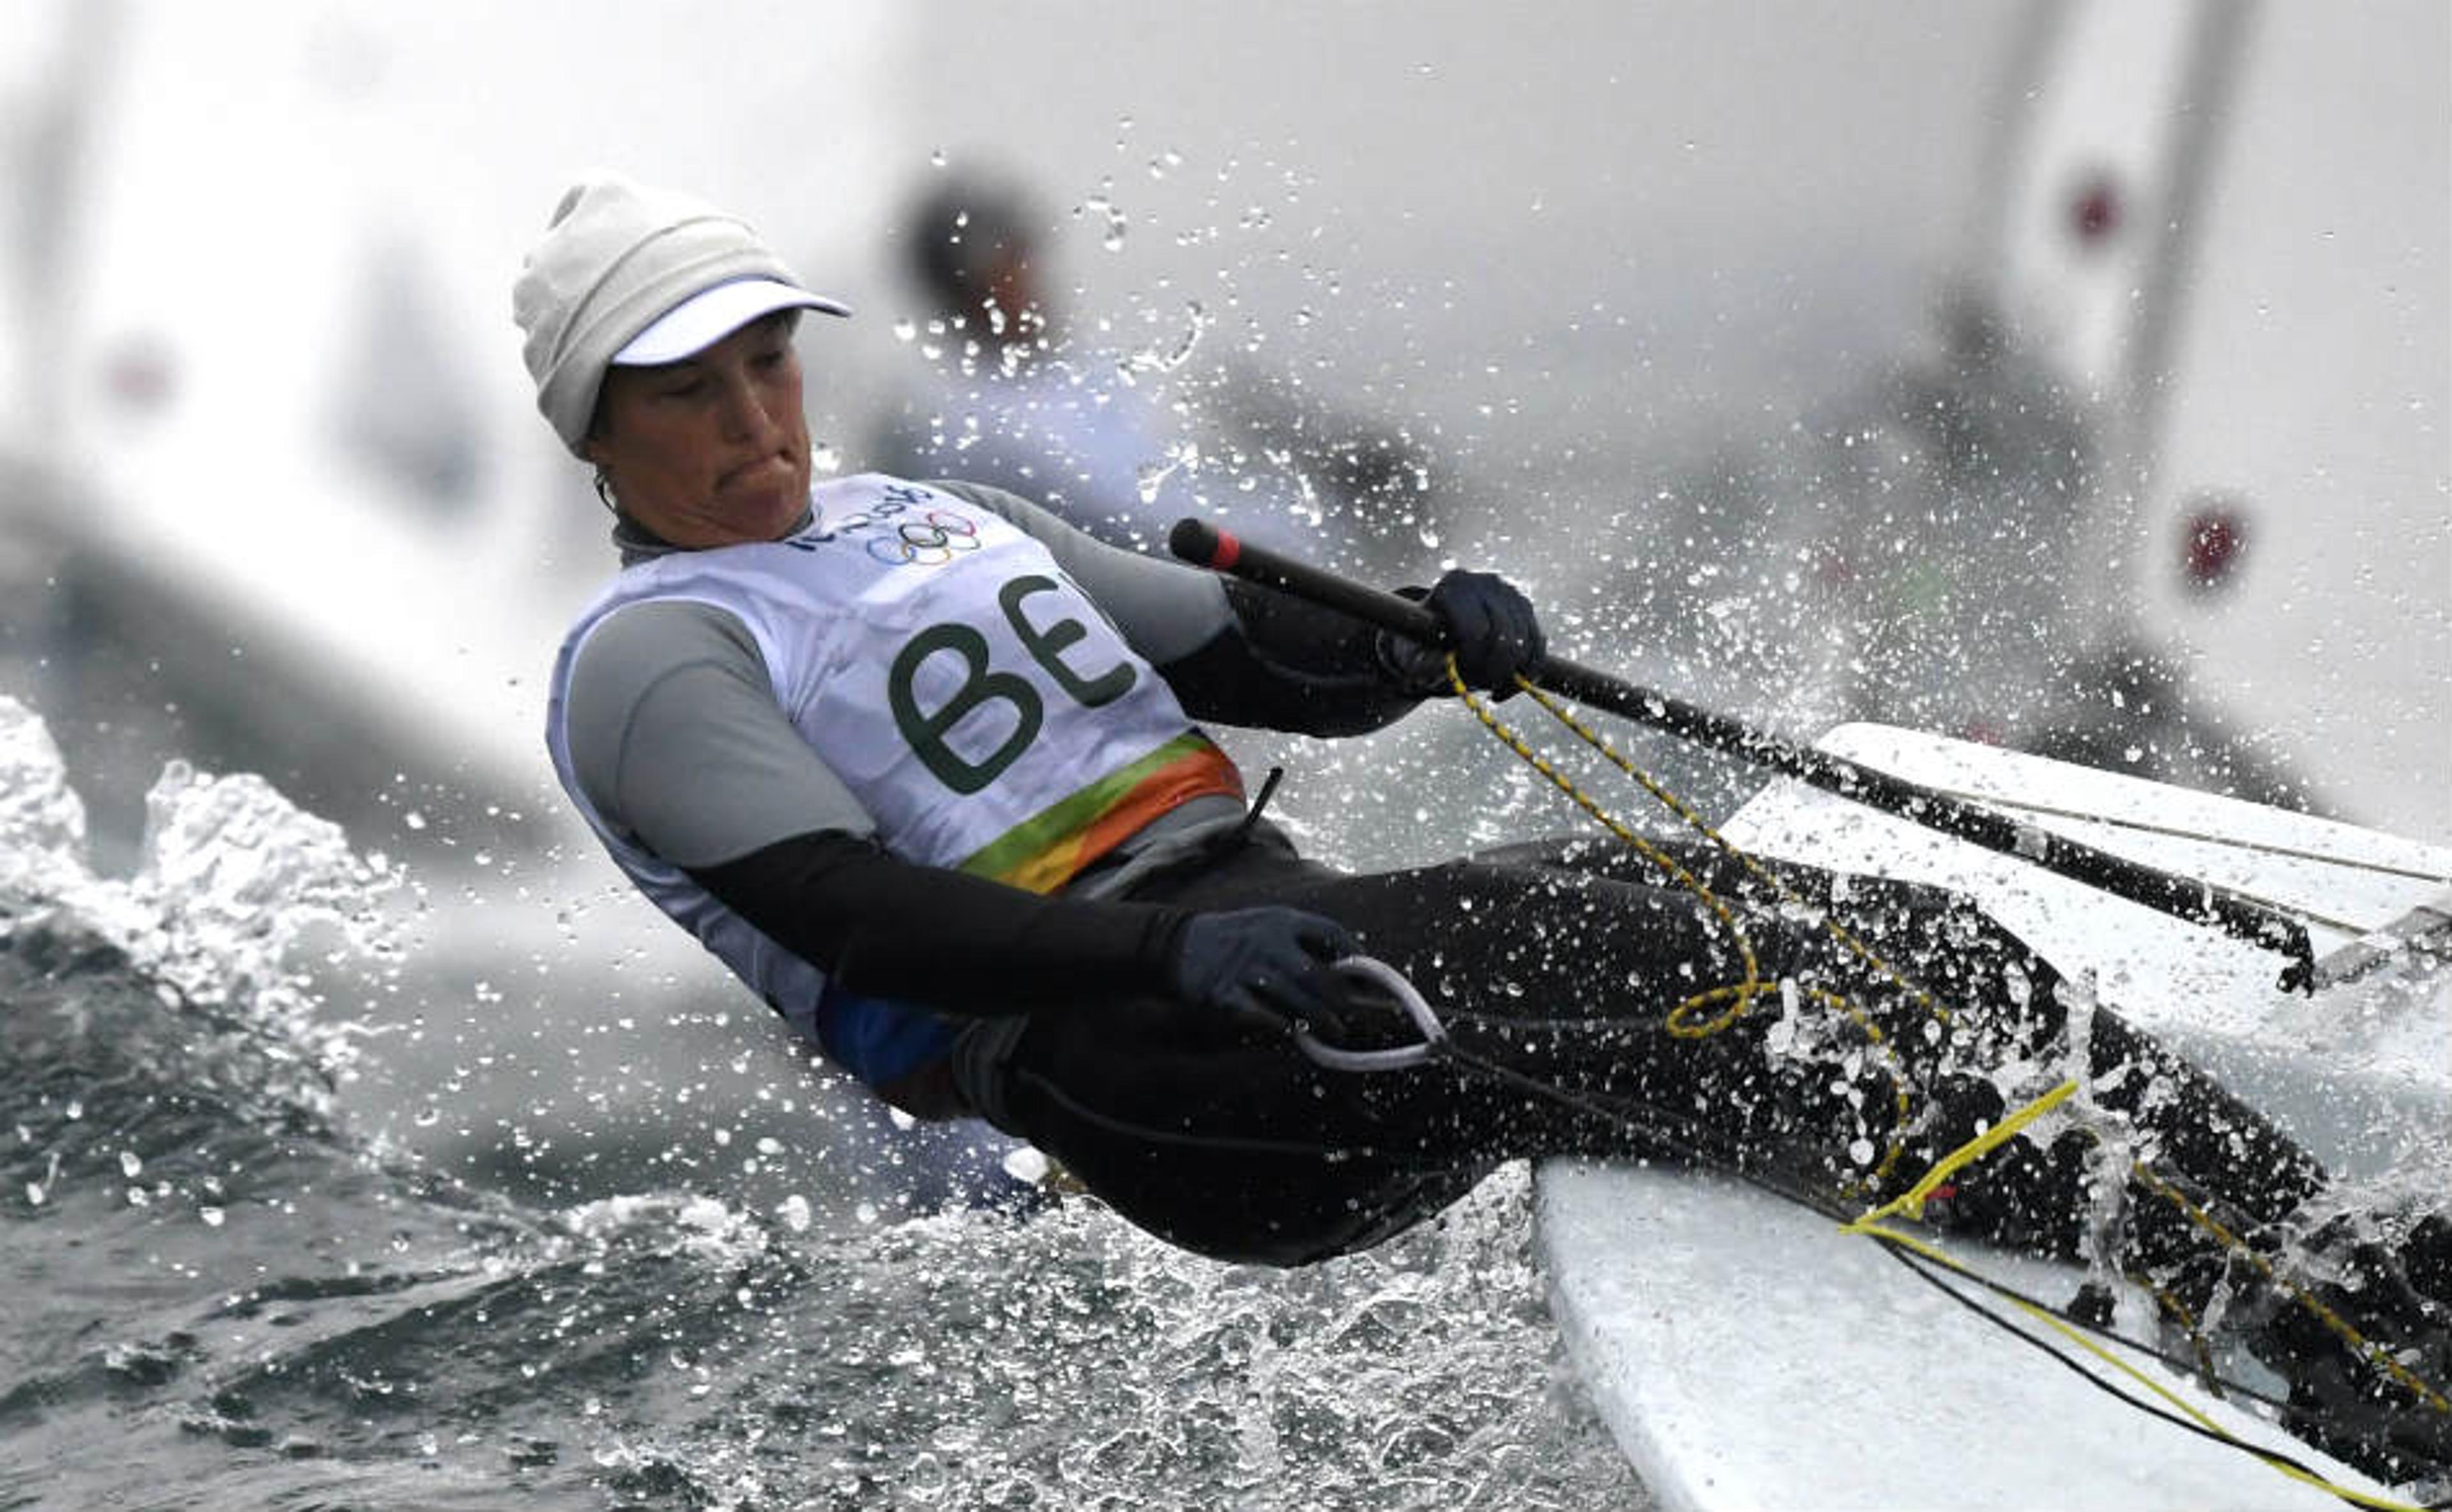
column 1228, row 549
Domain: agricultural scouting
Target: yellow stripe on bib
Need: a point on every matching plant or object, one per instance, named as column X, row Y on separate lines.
column 1046, row 851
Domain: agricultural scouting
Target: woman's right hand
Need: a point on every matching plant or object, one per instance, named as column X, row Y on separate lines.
column 1261, row 966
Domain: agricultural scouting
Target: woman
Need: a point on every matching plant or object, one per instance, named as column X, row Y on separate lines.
column 920, row 764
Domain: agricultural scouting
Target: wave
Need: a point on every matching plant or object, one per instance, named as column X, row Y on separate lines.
column 229, row 1294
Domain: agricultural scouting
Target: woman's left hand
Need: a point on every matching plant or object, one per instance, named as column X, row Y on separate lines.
column 1492, row 630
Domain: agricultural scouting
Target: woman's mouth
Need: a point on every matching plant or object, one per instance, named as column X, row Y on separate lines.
column 749, row 471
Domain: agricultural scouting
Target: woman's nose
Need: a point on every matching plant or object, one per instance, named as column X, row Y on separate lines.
column 744, row 411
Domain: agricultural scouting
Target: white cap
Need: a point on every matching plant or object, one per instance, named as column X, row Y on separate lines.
column 710, row 315
column 620, row 263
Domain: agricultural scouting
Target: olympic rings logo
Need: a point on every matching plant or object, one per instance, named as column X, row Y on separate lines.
column 931, row 541
column 894, row 533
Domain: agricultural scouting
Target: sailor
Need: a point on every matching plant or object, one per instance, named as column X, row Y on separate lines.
column 1008, row 398
column 925, row 767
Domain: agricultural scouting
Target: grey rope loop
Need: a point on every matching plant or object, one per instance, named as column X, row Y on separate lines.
column 1387, row 978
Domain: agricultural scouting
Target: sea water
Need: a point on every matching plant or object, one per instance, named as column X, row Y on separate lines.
column 231, row 1285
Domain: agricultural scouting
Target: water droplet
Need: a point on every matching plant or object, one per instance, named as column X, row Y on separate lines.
column 1113, row 235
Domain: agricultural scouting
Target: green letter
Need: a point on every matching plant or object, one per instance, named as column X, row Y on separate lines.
column 926, row 732
column 1047, row 646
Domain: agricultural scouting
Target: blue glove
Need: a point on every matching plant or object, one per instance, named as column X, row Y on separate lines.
column 1491, row 627
column 1261, row 966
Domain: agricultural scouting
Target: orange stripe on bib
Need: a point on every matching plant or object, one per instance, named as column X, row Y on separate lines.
column 1050, row 848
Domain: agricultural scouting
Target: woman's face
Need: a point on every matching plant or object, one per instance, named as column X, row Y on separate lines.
column 712, row 450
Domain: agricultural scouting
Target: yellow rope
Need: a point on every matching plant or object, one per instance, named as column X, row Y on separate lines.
column 1685, row 811
column 1740, row 997
column 2374, row 1354
column 2173, row 1308
column 1910, row 1204
column 2080, row 1338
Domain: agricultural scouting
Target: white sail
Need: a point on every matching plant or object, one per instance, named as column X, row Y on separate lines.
column 2223, row 226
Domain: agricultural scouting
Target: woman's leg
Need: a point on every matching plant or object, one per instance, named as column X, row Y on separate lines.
column 1840, row 1081
column 2184, row 1185
column 1228, row 1143
column 1235, row 1145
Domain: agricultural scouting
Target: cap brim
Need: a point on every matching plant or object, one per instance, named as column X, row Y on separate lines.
column 710, row 315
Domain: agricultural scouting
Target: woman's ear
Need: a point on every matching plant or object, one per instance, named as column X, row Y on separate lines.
column 597, row 445
column 599, row 426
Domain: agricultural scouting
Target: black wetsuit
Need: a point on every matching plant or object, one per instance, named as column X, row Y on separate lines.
column 1564, row 964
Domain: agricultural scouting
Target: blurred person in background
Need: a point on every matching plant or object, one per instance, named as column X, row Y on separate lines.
column 1121, row 447
column 920, row 763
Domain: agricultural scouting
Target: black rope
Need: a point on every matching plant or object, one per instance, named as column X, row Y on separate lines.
column 1925, row 1271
